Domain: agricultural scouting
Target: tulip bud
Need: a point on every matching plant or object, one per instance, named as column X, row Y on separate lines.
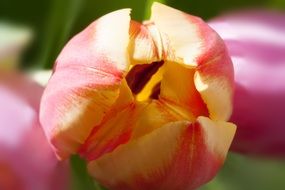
column 256, row 42
column 145, row 104
column 26, row 160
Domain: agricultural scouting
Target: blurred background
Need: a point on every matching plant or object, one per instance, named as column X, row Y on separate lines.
column 53, row 22
column 49, row 24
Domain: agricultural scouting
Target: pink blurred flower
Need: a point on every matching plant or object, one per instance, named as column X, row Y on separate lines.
column 256, row 42
column 26, row 160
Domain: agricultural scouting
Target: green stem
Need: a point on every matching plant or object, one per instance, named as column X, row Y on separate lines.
column 80, row 177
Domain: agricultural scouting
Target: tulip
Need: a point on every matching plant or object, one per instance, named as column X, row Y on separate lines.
column 256, row 43
column 26, row 160
column 145, row 104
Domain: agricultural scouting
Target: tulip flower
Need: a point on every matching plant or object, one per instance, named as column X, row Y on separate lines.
column 26, row 160
column 145, row 104
column 256, row 42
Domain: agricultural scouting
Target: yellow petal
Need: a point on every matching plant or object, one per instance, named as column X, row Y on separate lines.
column 218, row 135
column 178, row 90
column 153, row 115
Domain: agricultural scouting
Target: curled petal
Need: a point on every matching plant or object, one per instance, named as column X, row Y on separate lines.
column 183, row 36
column 115, row 128
column 142, row 48
column 179, row 155
column 196, row 45
column 86, row 81
column 214, row 81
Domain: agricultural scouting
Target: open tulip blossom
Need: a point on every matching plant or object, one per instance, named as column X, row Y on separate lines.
column 145, row 104
column 256, row 43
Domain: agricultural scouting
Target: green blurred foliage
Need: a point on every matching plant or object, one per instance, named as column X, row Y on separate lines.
column 55, row 21
column 248, row 173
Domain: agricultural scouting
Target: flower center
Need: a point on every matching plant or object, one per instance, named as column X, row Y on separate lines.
column 139, row 80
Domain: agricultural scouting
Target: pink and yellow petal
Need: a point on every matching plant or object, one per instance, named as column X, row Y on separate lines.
column 101, row 46
column 217, row 93
column 179, row 156
column 142, row 48
column 182, row 31
column 115, row 127
column 122, row 124
column 195, row 45
column 214, row 77
column 86, row 81
column 69, row 113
